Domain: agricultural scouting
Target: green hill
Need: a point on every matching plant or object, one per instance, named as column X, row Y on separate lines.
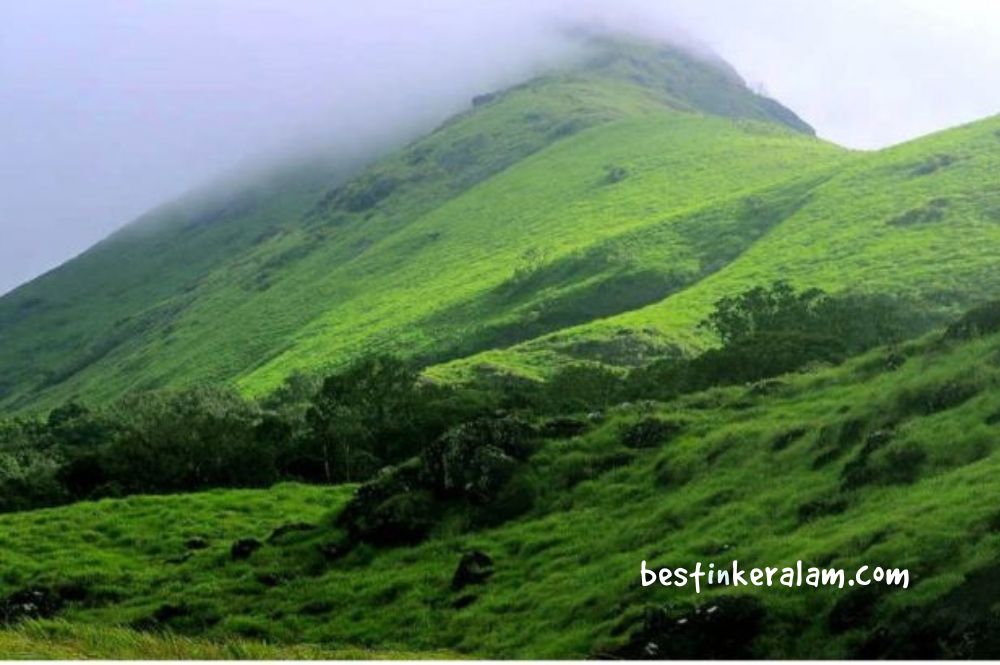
column 920, row 219
column 579, row 227
column 888, row 460
column 427, row 251
column 592, row 214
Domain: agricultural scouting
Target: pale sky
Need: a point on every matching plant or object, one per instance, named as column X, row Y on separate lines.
column 110, row 107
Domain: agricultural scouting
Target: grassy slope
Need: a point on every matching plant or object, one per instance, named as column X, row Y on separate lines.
column 921, row 219
column 554, row 202
column 567, row 572
column 299, row 275
column 135, row 281
column 60, row 640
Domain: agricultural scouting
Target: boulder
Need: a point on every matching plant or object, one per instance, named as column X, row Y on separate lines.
column 475, row 567
column 722, row 629
column 30, row 603
column 242, row 549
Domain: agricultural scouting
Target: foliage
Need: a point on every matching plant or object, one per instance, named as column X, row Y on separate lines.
column 770, row 331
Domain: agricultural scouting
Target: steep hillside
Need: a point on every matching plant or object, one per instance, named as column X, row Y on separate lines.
column 432, row 250
column 889, row 460
column 920, row 220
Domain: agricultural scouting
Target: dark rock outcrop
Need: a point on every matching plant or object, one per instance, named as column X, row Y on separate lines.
column 242, row 549
column 475, row 567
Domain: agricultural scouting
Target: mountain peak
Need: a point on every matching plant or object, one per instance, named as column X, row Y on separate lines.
column 686, row 76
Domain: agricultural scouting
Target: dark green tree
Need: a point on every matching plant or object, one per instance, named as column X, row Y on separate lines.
column 363, row 418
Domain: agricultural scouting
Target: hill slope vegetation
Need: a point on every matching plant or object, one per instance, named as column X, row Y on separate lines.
column 426, row 251
column 887, row 460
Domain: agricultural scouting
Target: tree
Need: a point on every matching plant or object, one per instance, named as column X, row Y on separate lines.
column 761, row 309
column 363, row 418
column 189, row 439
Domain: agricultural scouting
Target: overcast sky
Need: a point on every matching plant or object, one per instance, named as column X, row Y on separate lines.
column 109, row 107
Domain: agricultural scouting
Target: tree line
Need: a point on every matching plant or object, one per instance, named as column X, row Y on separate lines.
column 379, row 411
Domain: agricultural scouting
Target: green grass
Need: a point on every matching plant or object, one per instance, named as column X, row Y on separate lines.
column 845, row 235
column 567, row 572
column 60, row 640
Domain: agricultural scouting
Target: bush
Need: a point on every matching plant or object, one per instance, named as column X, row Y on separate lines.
column 362, row 419
column 391, row 509
column 475, row 460
column 766, row 332
column 29, row 480
column 977, row 322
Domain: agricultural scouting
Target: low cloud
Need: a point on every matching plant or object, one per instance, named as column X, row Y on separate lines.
column 109, row 108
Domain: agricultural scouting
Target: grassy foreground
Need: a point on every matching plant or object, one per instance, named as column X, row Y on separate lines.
column 60, row 640
column 889, row 459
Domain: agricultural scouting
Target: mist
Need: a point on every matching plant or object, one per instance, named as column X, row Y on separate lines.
column 109, row 108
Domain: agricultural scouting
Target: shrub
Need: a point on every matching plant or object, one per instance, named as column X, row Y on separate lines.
column 979, row 321
column 363, row 418
column 474, row 460
column 392, row 508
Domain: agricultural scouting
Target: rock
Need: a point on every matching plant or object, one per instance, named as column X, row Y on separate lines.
column 722, row 629
column 243, row 548
column 894, row 361
column 284, row 529
column 475, row 567
column 196, row 543
column 30, row 603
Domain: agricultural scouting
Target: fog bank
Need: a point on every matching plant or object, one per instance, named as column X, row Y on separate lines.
column 110, row 107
